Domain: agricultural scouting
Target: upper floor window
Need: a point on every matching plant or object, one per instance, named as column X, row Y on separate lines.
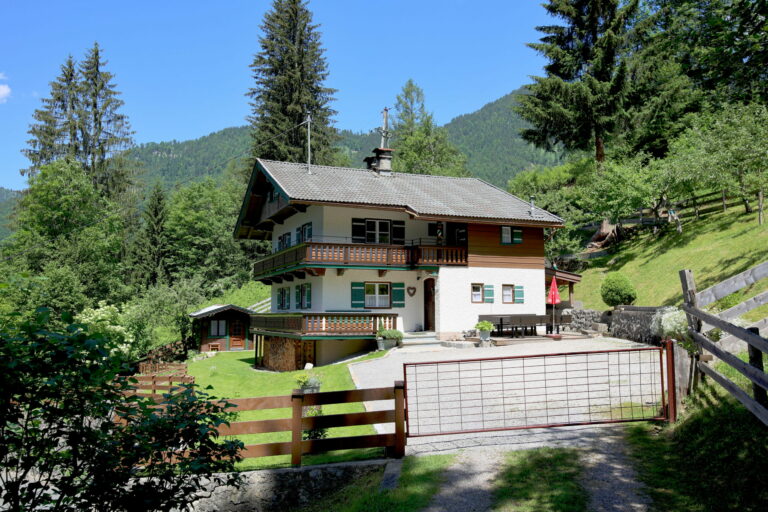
column 378, row 231
column 304, row 233
column 510, row 235
column 284, row 241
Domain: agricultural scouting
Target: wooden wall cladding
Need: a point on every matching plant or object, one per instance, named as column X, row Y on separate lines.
column 485, row 248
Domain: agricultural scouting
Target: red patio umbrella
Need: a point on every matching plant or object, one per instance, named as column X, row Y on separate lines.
column 553, row 297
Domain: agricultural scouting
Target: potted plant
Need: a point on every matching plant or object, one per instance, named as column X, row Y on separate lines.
column 484, row 328
column 309, row 382
column 388, row 338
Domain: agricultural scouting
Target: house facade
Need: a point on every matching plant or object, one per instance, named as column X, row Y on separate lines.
column 359, row 249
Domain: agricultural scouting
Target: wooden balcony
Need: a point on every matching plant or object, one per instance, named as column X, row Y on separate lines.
column 324, row 324
column 324, row 253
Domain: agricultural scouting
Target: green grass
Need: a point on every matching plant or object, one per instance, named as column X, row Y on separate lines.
column 248, row 294
column 419, row 481
column 714, row 458
column 231, row 375
column 540, row 480
column 715, row 248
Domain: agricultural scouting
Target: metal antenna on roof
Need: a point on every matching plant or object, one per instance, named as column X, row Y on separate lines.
column 384, row 130
column 309, row 143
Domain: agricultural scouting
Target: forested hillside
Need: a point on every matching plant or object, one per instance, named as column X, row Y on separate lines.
column 490, row 138
column 7, row 200
column 172, row 162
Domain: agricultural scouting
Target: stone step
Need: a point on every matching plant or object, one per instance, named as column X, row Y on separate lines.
column 419, row 334
column 410, row 342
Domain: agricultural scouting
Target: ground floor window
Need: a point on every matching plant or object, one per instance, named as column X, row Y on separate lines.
column 218, row 328
column 508, row 293
column 477, row 292
column 377, row 295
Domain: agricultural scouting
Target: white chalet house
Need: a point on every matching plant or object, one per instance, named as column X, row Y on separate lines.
column 358, row 249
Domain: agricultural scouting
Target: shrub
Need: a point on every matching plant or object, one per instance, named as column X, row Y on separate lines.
column 308, row 380
column 485, row 325
column 617, row 289
column 391, row 334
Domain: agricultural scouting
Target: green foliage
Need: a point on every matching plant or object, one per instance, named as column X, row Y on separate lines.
column 540, row 480
column 63, row 449
column 484, row 325
column 578, row 103
column 151, row 247
column 390, row 334
column 421, row 146
column 617, row 290
column 106, row 321
column 81, row 121
column 289, row 74
column 619, row 190
column 8, row 200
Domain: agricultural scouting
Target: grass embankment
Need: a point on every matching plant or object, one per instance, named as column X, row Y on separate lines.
column 419, row 481
column 540, row 480
column 714, row 458
column 231, row 375
column 715, row 247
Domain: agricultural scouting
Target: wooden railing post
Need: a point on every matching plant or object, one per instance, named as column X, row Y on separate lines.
column 669, row 347
column 690, row 299
column 756, row 360
column 399, row 449
column 297, row 402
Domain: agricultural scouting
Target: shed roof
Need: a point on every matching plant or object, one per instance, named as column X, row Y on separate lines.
column 218, row 308
column 422, row 195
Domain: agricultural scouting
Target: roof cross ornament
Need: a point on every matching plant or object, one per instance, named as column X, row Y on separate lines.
column 384, row 130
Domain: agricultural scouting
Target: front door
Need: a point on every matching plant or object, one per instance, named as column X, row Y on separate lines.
column 429, row 304
column 236, row 336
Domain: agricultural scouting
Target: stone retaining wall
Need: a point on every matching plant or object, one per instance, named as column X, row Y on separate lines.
column 584, row 318
column 634, row 323
column 286, row 489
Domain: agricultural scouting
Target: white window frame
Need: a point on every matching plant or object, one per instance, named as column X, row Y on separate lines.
column 378, row 299
column 511, row 289
column 479, row 293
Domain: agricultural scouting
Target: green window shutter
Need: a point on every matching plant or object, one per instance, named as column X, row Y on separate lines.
column 308, row 295
column 398, row 295
column 358, row 295
column 517, row 236
column 298, row 296
column 519, row 295
column 488, row 293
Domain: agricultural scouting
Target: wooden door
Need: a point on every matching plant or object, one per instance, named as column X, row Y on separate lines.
column 429, row 304
column 236, row 336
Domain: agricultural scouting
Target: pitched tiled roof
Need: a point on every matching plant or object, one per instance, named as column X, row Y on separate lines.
column 420, row 194
column 218, row 308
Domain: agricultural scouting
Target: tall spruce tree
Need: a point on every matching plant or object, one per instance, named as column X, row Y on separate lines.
column 421, row 146
column 81, row 121
column 151, row 249
column 579, row 101
column 290, row 71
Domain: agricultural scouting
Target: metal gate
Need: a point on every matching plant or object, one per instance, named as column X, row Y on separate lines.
column 547, row 390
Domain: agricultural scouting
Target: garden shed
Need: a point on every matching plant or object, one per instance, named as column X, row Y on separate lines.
column 222, row 327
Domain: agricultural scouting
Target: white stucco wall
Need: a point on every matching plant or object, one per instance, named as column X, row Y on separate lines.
column 455, row 311
column 317, row 294
column 314, row 214
column 337, row 222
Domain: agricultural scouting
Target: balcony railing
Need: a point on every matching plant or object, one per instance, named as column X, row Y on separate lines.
column 319, row 324
column 361, row 254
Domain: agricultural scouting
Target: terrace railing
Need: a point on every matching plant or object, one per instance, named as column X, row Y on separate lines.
column 364, row 324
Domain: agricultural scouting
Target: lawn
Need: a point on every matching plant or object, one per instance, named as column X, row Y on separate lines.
column 231, row 375
column 540, row 480
column 715, row 248
column 419, row 481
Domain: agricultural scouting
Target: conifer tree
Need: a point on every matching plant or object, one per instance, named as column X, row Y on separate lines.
column 150, row 265
column 81, row 121
column 289, row 73
column 421, row 146
column 578, row 102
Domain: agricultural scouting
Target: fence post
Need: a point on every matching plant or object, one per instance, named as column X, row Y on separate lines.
column 297, row 402
column 669, row 347
column 756, row 360
column 399, row 450
column 689, row 297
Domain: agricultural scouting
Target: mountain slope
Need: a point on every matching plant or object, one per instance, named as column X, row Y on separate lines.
column 490, row 138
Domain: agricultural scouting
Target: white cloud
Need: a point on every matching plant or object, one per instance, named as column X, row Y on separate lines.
column 3, row 76
column 5, row 93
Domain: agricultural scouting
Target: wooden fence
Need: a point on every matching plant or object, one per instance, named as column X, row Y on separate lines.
column 298, row 422
column 153, row 386
column 150, row 368
column 697, row 320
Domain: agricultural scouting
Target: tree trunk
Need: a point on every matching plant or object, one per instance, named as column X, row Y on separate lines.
column 760, row 207
column 747, row 206
column 725, row 207
column 599, row 150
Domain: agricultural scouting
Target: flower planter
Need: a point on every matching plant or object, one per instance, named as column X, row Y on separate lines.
column 485, row 335
column 386, row 343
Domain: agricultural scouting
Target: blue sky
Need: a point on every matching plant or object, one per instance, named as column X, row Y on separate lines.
column 182, row 67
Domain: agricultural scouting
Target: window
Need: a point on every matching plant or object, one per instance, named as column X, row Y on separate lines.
column 304, row 296
column 304, row 233
column 508, row 293
column 377, row 231
column 218, row 328
column 510, row 235
column 283, row 241
column 377, row 295
column 283, row 298
column 477, row 292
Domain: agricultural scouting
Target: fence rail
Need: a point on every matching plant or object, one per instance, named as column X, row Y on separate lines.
column 364, row 324
column 149, row 368
column 698, row 320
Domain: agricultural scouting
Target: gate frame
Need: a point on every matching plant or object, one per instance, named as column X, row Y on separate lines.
column 668, row 405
